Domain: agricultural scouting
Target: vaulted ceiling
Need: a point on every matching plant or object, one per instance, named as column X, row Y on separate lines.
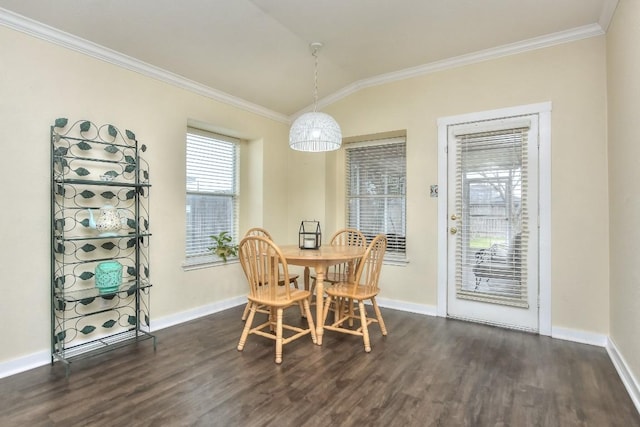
column 256, row 52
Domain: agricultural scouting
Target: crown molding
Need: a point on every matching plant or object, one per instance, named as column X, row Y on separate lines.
column 606, row 14
column 549, row 40
column 69, row 41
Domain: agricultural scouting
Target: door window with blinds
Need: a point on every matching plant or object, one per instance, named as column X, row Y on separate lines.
column 376, row 191
column 491, row 197
column 212, row 192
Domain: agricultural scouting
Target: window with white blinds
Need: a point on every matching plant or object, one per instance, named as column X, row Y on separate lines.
column 491, row 195
column 212, row 191
column 376, row 191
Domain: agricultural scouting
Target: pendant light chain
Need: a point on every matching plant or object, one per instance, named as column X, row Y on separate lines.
column 315, row 81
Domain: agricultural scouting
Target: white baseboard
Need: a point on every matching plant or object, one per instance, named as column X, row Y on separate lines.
column 629, row 381
column 205, row 310
column 582, row 337
column 21, row 364
column 42, row 358
column 429, row 310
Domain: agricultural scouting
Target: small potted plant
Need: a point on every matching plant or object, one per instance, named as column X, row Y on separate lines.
column 222, row 246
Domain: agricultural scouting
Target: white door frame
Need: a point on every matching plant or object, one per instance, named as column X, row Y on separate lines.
column 544, row 259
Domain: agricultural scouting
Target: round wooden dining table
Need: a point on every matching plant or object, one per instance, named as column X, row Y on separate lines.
column 320, row 259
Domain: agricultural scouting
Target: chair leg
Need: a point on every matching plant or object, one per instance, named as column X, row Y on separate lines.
column 365, row 328
column 350, row 308
column 311, row 325
column 247, row 325
column 312, row 291
column 295, row 285
column 245, row 313
column 383, row 327
column 279, row 335
column 327, row 304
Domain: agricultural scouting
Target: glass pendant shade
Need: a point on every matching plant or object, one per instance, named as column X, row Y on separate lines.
column 315, row 132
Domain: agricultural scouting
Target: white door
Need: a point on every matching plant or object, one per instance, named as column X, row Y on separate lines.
column 492, row 221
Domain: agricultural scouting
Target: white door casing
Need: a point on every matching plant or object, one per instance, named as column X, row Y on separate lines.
column 538, row 316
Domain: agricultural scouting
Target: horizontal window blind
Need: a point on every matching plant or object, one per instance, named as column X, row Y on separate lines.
column 376, row 191
column 212, row 190
column 491, row 195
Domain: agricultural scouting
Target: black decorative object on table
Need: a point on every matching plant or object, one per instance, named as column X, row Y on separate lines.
column 310, row 236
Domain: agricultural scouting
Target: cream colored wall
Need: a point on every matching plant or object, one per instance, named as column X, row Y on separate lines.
column 572, row 76
column 39, row 82
column 623, row 65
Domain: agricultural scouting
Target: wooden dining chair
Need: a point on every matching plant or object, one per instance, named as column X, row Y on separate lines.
column 363, row 287
column 293, row 277
column 340, row 272
column 263, row 264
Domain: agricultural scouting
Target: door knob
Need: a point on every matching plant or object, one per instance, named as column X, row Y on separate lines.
column 453, row 230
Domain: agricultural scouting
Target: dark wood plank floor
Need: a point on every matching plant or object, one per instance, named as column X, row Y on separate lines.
column 427, row 372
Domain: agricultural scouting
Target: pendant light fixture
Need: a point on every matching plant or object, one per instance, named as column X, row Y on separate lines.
column 315, row 131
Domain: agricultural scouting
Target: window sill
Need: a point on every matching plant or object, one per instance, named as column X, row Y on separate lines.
column 198, row 263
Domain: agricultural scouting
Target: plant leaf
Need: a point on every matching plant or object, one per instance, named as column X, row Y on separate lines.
column 85, row 222
column 60, row 151
column 130, row 134
column 131, row 271
column 108, row 245
column 88, row 247
column 86, row 275
column 83, row 145
column 88, row 329
column 131, row 243
column 84, row 126
column 130, row 194
column 87, row 301
column 130, row 159
column 143, row 148
column 109, row 324
column 145, row 174
column 111, row 173
column 108, row 195
column 112, row 130
column 131, row 223
column 130, row 168
column 87, row 194
column 111, row 149
column 132, row 320
column 61, row 122
column 82, row 172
